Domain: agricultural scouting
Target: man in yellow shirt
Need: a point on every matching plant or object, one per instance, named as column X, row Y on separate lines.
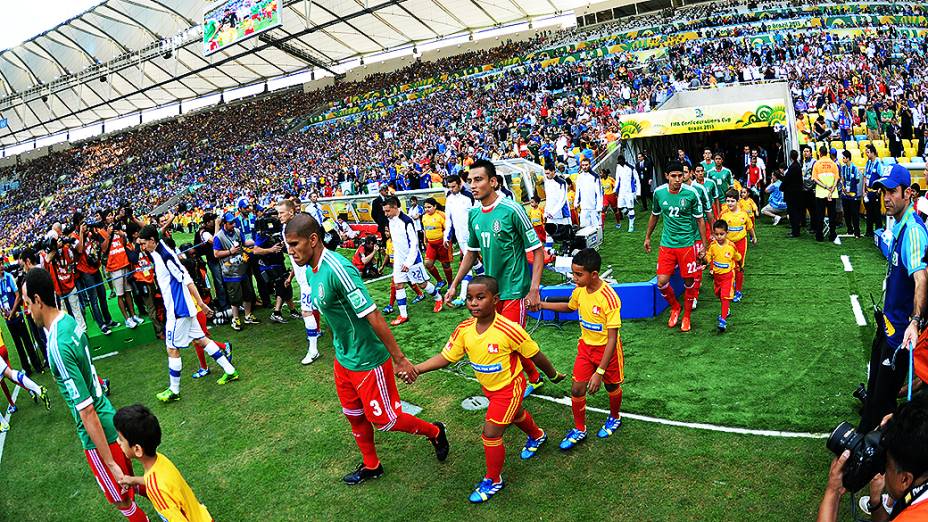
column 723, row 260
column 739, row 226
column 536, row 213
column 827, row 179
column 139, row 436
column 433, row 224
column 491, row 343
column 599, row 351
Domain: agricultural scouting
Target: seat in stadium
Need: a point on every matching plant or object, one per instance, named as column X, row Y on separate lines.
column 888, row 160
column 917, row 162
column 860, row 162
column 850, row 145
column 837, row 145
column 879, row 144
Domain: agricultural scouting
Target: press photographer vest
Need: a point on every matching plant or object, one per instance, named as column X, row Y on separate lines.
column 900, row 286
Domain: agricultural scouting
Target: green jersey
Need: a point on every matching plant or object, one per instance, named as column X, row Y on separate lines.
column 723, row 181
column 712, row 189
column 703, row 197
column 71, row 366
column 339, row 294
column 503, row 233
column 680, row 212
column 706, row 165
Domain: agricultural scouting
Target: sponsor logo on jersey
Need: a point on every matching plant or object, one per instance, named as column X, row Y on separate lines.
column 487, row 368
column 597, row 310
column 492, row 348
column 593, row 327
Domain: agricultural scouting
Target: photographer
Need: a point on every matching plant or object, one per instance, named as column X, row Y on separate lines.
column 204, row 250
column 904, row 441
column 365, row 255
column 229, row 248
column 269, row 251
column 117, row 267
column 11, row 304
column 61, row 264
column 89, row 250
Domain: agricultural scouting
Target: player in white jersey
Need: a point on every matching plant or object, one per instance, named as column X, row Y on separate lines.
column 627, row 189
column 19, row 377
column 407, row 259
column 458, row 202
column 181, row 301
column 286, row 209
column 589, row 197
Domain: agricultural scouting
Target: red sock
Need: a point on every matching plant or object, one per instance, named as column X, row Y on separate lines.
column 725, row 304
column 318, row 319
column 134, row 513
column 697, row 280
column 670, row 296
column 364, row 436
column 689, row 295
column 200, row 355
column 495, row 453
column 434, row 271
column 527, row 424
column 414, row 425
column 6, row 391
column 448, row 275
column 530, row 370
column 739, row 280
column 392, row 294
column 615, row 403
column 578, row 406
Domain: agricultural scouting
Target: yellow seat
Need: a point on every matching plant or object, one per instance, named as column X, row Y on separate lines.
column 909, row 151
column 879, row 144
column 837, row 144
column 902, row 159
column 850, row 145
column 906, row 143
column 915, row 143
column 863, row 143
column 883, row 153
column 860, row 162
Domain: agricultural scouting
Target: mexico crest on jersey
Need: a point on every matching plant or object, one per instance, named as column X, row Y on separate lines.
column 321, row 292
column 496, row 227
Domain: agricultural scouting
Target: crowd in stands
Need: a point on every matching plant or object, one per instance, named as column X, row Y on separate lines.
column 520, row 111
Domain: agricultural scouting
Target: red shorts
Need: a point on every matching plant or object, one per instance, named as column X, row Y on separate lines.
column 505, row 402
column 371, row 393
column 540, row 231
column 5, row 355
column 589, row 358
column 512, row 309
column 670, row 258
column 724, row 285
column 201, row 318
column 105, row 478
column 437, row 251
column 610, row 200
column 742, row 247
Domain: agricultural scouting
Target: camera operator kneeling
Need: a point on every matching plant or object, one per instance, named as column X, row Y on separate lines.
column 899, row 448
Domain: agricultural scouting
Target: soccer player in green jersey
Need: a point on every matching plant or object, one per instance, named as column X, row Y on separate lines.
column 722, row 177
column 705, row 199
column 71, row 366
column 712, row 190
column 501, row 232
column 366, row 354
column 681, row 209
column 706, row 162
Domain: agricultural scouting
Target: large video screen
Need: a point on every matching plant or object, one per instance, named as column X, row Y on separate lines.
column 227, row 22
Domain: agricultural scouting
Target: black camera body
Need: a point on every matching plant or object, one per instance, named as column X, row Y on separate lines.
column 868, row 457
column 270, row 226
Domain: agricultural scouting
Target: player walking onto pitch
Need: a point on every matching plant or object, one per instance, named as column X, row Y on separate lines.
column 19, row 377
column 681, row 209
column 181, row 301
column 407, row 264
column 740, row 226
column 286, row 209
column 69, row 360
column 490, row 340
column 501, row 232
column 599, row 351
column 628, row 188
column 723, row 260
column 365, row 350
column 458, row 202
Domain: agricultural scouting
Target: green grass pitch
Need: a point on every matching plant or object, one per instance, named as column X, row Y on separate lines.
column 275, row 444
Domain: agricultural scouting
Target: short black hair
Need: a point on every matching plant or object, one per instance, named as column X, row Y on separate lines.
column 485, row 165
column 149, row 232
column 732, row 193
column 490, row 282
column 393, row 201
column 139, row 426
column 589, row 259
column 536, row 199
column 720, row 224
column 872, row 148
column 39, row 285
column 454, row 178
column 430, row 201
column 905, row 436
column 674, row 166
column 29, row 255
column 846, row 153
column 303, row 225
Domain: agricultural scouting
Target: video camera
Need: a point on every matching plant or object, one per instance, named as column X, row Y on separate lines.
column 868, row 457
column 268, row 225
column 571, row 239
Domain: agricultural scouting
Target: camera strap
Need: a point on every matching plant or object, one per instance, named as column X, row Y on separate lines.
column 913, row 496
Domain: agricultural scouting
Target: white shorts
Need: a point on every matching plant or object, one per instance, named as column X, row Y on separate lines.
column 181, row 331
column 416, row 274
column 119, row 281
column 626, row 200
column 306, row 296
column 590, row 218
column 3, row 367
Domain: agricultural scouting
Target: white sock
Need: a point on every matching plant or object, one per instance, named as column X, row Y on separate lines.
column 401, row 301
column 312, row 335
column 631, row 219
column 213, row 351
column 23, row 380
column 464, row 284
column 432, row 291
column 175, row 365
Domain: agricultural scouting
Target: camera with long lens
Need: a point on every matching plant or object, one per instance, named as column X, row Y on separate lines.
column 268, row 225
column 867, row 455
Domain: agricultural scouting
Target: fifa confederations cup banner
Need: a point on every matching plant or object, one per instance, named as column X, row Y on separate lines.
column 707, row 118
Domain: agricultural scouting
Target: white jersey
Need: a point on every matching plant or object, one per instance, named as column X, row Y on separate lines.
column 405, row 241
column 173, row 279
column 589, row 192
column 627, row 180
column 315, row 211
column 457, row 207
column 557, row 210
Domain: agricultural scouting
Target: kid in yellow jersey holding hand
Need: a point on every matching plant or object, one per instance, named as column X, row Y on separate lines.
column 739, row 226
column 748, row 205
column 723, row 260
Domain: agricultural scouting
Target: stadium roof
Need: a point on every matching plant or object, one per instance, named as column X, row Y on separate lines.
column 124, row 56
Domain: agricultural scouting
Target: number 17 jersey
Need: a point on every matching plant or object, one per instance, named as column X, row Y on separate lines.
column 679, row 211
column 503, row 233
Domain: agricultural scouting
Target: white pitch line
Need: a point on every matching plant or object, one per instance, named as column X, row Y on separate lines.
column 104, row 356
column 6, row 419
column 847, row 263
column 667, row 422
column 858, row 311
